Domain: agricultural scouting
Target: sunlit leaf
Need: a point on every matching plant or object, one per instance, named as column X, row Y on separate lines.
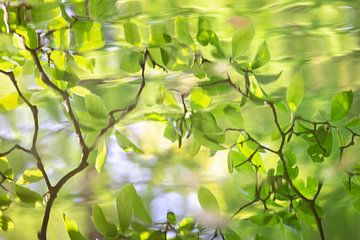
column 125, row 205
column 207, row 200
column 132, row 33
column 95, row 106
column 295, row 93
column 72, row 229
column 30, row 175
column 126, row 144
column 241, row 40
column 101, row 224
column 262, row 56
column 100, row 157
column 199, row 99
column 340, row 105
column 26, row 195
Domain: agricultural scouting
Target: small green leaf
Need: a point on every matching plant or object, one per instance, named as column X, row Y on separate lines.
column 125, row 205
column 26, row 195
column 295, row 93
column 182, row 31
column 95, row 106
column 241, row 40
column 207, row 200
column 132, row 33
column 130, row 62
column 340, row 105
column 72, row 229
column 199, row 99
column 265, row 79
column 30, row 175
column 234, row 116
column 171, row 218
column 194, row 147
column 231, row 234
column 126, row 144
column 230, row 163
column 100, row 157
column 101, row 224
column 5, row 200
column 261, row 57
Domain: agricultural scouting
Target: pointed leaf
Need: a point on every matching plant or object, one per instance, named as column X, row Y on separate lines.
column 207, row 200
column 340, row 105
column 295, row 93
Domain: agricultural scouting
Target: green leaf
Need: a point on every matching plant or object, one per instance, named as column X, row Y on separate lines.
column 295, row 93
column 262, row 56
column 340, row 105
column 125, row 205
column 157, row 35
column 126, row 144
column 199, row 99
column 207, row 200
column 102, row 10
column 72, row 229
column 230, row 162
column 95, row 106
column 265, row 79
column 241, row 40
column 87, row 36
column 5, row 200
column 5, row 222
column 194, row 147
column 130, row 62
column 131, row 33
column 182, row 31
column 26, row 195
column 100, row 157
column 10, row 101
column 101, row 224
column 140, row 210
column 234, row 116
column 30, row 175
column 231, row 234
column 171, row 218
column 355, row 122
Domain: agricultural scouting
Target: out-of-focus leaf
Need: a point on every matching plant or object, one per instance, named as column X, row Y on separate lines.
column 72, row 229
column 262, row 56
column 95, row 106
column 207, row 200
column 102, row 10
column 10, row 101
column 30, row 175
column 340, row 105
column 5, row 222
column 182, row 31
column 171, row 218
column 125, row 205
column 130, row 62
column 126, row 144
column 234, row 116
column 241, row 40
column 132, row 33
column 26, row 195
column 295, row 93
column 199, row 99
column 100, row 157
column 231, row 234
column 87, row 36
column 265, row 79
column 101, row 224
